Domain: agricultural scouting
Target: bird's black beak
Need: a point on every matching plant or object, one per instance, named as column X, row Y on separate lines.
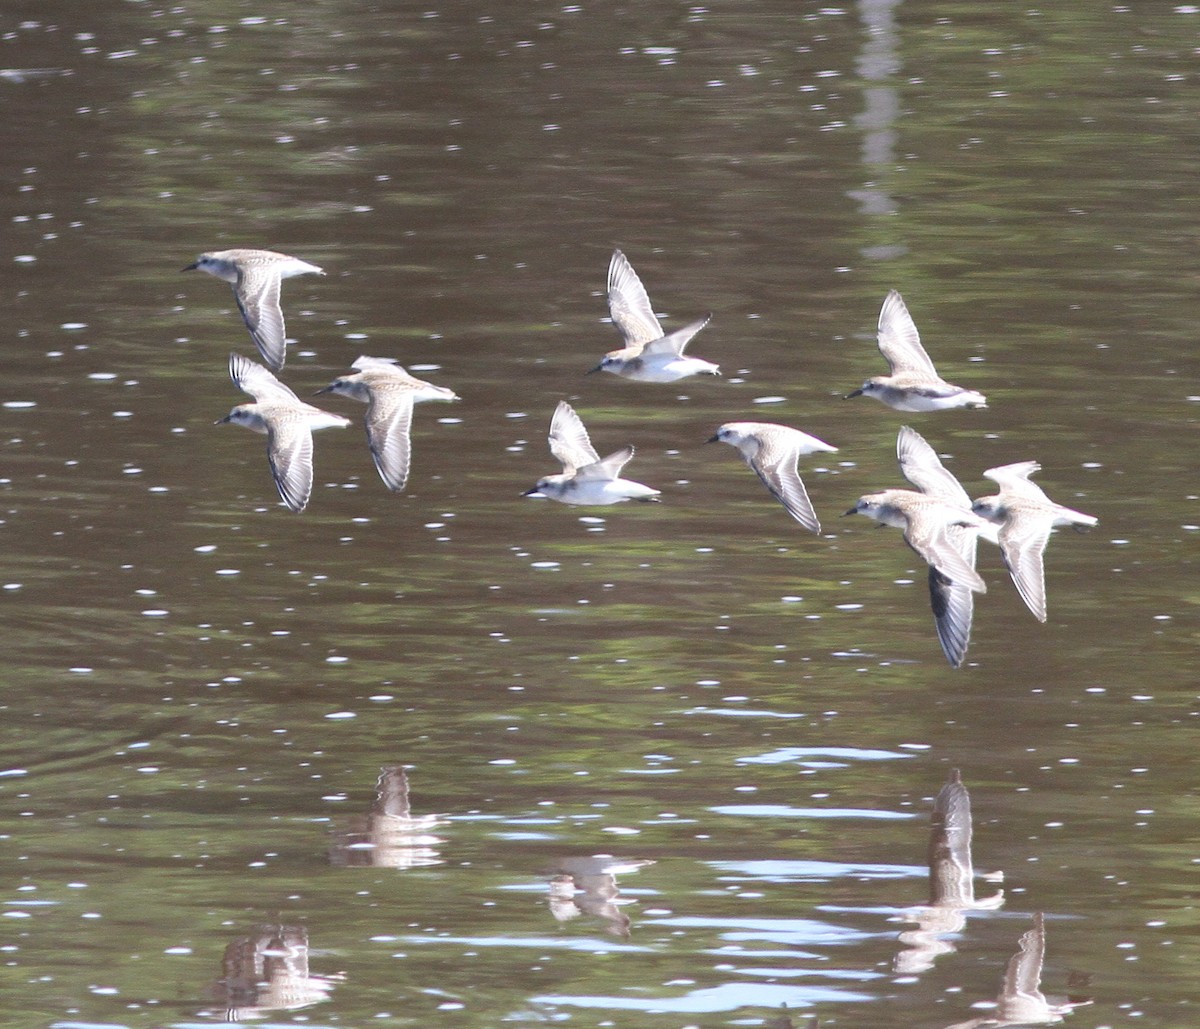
column 598, row 368
column 531, row 492
column 853, row 510
column 323, row 389
column 222, row 421
column 191, row 267
column 851, row 396
column 713, row 439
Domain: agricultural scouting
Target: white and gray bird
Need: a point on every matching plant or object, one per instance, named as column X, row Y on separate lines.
column 773, row 452
column 256, row 276
column 912, row 382
column 389, row 392
column 940, row 526
column 1025, row 516
column 287, row 422
column 648, row 354
column 585, row 478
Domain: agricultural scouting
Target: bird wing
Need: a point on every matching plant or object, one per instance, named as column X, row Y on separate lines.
column 628, row 303
column 258, row 381
column 389, row 421
column 953, row 602
column 899, row 341
column 607, row 469
column 290, row 452
column 1023, row 539
column 569, row 442
column 257, row 295
column 924, row 469
column 775, row 464
column 928, row 534
column 379, row 364
column 673, row 343
column 1014, row 479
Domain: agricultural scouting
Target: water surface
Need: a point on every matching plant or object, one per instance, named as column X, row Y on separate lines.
column 750, row 721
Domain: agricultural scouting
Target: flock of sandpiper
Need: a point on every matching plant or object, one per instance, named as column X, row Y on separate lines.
column 938, row 518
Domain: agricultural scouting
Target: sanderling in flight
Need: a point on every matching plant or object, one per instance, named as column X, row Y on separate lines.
column 648, row 355
column 389, row 393
column 913, row 383
column 773, row 451
column 1025, row 516
column 255, row 276
column 585, row 478
column 940, row 526
column 288, row 423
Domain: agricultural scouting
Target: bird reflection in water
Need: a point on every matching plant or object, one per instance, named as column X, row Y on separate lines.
column 267, row 971
column 588, row 886
column 389, row 835
column 951, row 882
column 784, row 1021
column 1021, row 1001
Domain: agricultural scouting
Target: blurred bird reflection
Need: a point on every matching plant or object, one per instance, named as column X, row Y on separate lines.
column 1021, row 1001
column 267, row 971
column 588, row 886
column 951, row 882
column 389, row 835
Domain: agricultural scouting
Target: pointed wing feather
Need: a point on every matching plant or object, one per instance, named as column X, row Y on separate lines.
column 569, row 441
column 674, row 342
column 953, row 612
column 953, row 603
column 382, row 364
column 1023, row 539
column 257, row 295
column 776, row 467
column 608, row 468
column 899, row 341
column 290, row 452
column 922, row 467
column 628, row 303
column 1014, row 478
column 389, row 424
column 257, row 381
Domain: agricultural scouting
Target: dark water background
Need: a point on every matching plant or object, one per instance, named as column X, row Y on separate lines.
column 200, row 689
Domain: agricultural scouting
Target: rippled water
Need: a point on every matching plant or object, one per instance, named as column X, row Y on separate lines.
column 462, row 757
